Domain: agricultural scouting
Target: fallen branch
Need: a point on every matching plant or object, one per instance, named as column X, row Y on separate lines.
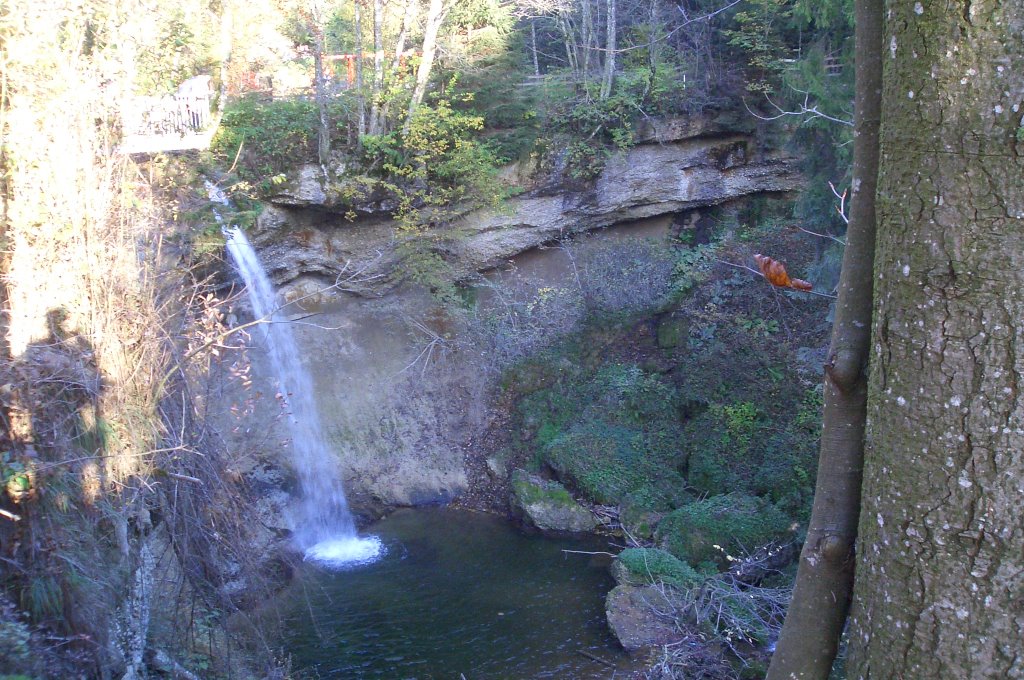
column 186, row 478
column 594, row 657
column 587, row 552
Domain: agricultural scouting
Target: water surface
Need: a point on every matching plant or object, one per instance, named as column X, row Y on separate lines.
column 457, row 592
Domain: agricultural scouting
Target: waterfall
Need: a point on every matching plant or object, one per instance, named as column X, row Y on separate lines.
column 324, row 529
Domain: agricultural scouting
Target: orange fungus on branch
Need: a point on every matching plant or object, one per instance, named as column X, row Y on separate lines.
column 775, row 272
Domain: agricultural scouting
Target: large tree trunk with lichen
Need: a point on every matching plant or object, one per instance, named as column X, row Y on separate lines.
column 810, row 636
column 941, row 551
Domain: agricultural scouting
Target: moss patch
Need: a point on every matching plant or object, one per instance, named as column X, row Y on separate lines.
column 530, row 490
column 642, row 566
column 720, row 527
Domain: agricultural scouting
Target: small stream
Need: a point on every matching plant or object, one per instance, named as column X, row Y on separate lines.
column 456, row 592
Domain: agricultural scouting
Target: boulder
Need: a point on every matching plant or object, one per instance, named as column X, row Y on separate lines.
column 548, row 506
column 633, row 615
column 305, row 187
column 653, row 566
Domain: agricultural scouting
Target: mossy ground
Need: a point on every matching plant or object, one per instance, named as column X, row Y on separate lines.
column 721, row 529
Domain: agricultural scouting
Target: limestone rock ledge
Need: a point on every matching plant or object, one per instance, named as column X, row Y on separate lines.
column 305, row 231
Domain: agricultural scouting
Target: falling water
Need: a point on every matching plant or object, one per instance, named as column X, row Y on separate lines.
column 324, row 529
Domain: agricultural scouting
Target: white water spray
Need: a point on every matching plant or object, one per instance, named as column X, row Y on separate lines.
column 324, row 529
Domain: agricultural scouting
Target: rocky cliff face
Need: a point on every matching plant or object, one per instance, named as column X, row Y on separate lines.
column 682, row 166
column 401, row 400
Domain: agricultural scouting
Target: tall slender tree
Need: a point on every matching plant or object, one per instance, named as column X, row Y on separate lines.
column 323, row 146
column 357, row 7
column 408, row 17
column 610, row 48
column 377, row 87
column 810, row 636
column 435, row 17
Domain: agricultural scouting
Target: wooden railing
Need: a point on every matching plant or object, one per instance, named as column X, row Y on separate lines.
column 177, row 122
column 178, row 114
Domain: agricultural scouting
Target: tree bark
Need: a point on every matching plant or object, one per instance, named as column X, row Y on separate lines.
column 609, row 54
column 377, row 87
column 940, row 574
column 323, row 147
column 586, row 35
column 810, row 637
column 435, row 16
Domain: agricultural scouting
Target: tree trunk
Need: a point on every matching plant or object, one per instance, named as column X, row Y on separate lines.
column 810, row 636
column 407, row 18
column 940, row 574
column 609, row 54
column 378, row 67
column 435, row 16
column 533, row 47
column 586, row 35
column 360, row 93
column 323, row 146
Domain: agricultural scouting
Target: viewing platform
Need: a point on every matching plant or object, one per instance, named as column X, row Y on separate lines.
column 180, row 122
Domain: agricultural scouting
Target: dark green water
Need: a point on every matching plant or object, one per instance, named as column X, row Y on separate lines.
column 457, row 592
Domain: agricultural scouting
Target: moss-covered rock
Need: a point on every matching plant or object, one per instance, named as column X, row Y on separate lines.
column 721, row 527
column 646, row 566
column 548, row 506
column 641, row 510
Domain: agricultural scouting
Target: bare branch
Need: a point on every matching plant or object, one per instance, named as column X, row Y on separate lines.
column 814, row 233
column 841, row 208
column 806, row 110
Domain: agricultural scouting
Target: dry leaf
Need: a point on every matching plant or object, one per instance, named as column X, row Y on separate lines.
column 775, row 272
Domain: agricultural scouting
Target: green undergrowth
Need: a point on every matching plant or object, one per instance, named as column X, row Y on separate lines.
column 610, row 433
column 262, row 138
column 698, row 420
column 653, row 565
column 721, row 529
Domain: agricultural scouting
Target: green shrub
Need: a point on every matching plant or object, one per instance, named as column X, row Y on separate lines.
column 652, row 565
column 601, row 460
column 723, row 459
column 14, row 646
column 273, row 136
column 711, row 471
column 721, row 527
